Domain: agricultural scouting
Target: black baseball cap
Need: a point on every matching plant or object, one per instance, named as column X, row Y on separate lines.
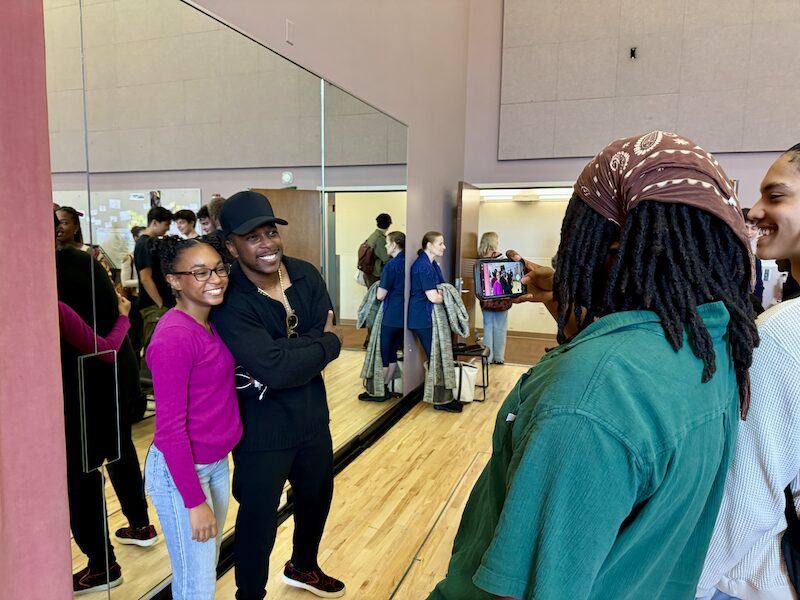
column 244, row 211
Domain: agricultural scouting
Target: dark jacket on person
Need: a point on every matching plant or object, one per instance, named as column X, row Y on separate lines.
column 84, row 286
column 282, row 394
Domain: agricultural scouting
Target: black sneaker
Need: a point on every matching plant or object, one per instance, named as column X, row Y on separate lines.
column 137, row 536
column 314, row 581
column 85, row 582
column 453, row 407
column 369, row 398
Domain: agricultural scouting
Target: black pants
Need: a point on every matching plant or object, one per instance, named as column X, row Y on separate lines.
column 425, row 337
column 391, row 342
column 87, row 517
column 258, row 480
column 135, row 331
column 126, row 478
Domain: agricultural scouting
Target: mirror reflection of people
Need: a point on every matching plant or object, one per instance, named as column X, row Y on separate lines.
column 198, row 422
column 377, row 241
column 494, row 311
column 392, row 293
column 277, row 320
column 129, row 278
column 206, row 226
column 69, row 228
column 155, row 296
column 185, row 221
column 214, row 207
column 92, row 407
column 609, row 456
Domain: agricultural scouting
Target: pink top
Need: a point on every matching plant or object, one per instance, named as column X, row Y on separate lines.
column 197, row 413
column 80, row 336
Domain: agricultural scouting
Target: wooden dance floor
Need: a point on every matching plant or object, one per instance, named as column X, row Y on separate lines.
column 397, row 507
column 395, row 510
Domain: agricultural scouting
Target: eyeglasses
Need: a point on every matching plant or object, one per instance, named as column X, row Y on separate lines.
column 291, row 324
column 205, row 274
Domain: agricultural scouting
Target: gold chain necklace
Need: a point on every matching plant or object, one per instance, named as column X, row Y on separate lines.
column 286, row 305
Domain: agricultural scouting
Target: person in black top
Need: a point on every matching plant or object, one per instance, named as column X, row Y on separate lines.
column 155, row 296
column 277, row 320
column 757, row 295
column 790, row 289
column 83, row 285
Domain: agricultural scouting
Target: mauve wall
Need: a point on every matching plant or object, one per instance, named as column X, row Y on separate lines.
column 35, row 562
column 483, row 121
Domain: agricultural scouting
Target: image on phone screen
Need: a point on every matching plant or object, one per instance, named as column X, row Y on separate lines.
column 498, row 279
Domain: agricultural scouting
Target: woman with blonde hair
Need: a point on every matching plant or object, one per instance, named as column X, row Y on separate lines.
column 495, row 312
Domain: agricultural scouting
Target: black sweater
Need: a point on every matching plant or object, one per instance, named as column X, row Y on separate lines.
column 294, row 406
column 94, row 296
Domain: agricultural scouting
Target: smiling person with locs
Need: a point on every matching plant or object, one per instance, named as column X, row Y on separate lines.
column 277, row 320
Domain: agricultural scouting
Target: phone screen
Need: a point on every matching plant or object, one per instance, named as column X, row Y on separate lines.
column 498, row 279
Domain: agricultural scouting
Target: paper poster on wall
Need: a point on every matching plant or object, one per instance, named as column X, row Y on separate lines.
column 122, row 209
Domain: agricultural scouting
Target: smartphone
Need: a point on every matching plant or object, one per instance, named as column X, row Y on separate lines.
column 498, row 278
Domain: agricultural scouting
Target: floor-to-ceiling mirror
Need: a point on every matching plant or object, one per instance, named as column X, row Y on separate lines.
column 156, row 104
column 365, row 206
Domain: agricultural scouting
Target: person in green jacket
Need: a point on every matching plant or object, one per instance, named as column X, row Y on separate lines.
column 609, row 456
column 377, row 241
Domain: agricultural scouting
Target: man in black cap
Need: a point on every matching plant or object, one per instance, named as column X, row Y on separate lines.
column 277, row 320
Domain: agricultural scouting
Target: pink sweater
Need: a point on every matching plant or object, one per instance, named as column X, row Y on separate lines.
column 197, row 413
column 80, row 336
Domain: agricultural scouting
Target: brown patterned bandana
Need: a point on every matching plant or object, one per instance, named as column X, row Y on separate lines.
column 662, row 167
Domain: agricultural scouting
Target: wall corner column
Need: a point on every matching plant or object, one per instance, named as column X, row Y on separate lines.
column 34, row 524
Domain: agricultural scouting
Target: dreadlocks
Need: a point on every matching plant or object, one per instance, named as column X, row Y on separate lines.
column 671, row 259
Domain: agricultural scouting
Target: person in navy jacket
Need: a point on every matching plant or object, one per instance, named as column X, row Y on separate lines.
column 425, row 276
column 391, row 292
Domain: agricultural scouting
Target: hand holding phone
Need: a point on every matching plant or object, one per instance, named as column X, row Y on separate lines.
column 498, row 278
column 537, row 278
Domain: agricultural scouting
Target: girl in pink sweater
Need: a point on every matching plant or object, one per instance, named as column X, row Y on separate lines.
column 197, row 417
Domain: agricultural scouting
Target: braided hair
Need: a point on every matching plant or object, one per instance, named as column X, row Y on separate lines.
column 169, row 248
column 76, row 217
column 671, row 259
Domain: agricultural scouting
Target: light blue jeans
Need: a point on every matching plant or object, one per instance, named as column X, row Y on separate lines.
column 722, row 596
column 194, row 564
column 494, row 333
